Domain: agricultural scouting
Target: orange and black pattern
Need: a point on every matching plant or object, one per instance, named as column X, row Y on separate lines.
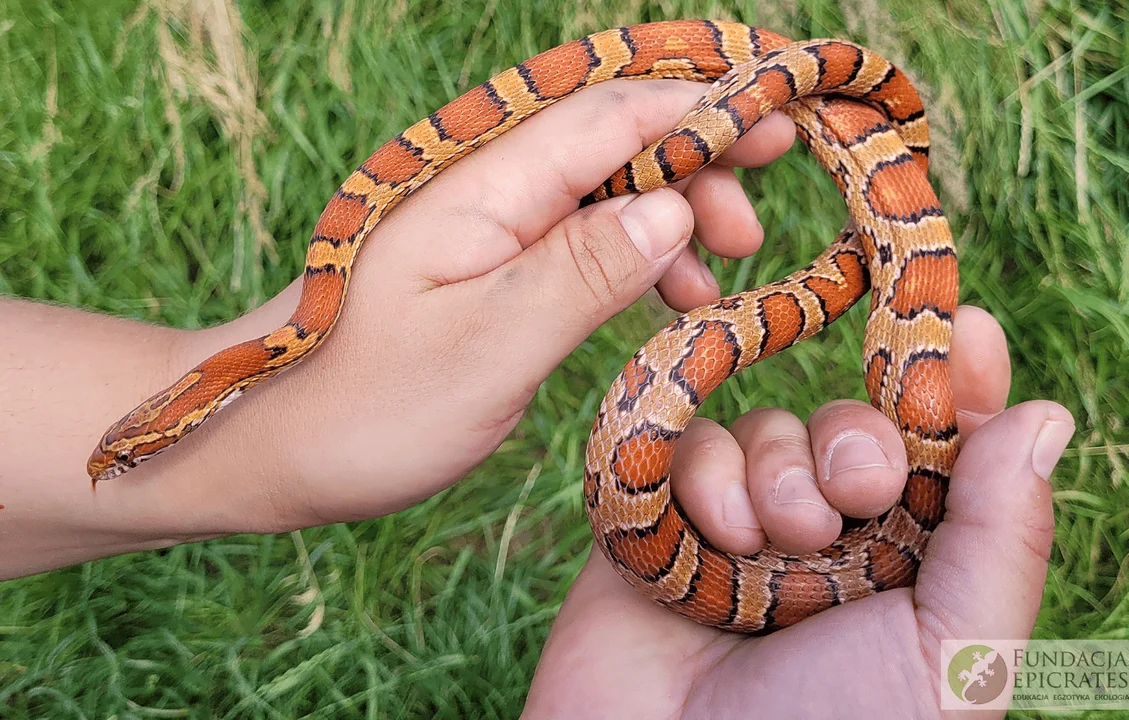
column 864, row 121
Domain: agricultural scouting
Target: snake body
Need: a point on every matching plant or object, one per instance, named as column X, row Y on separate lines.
column 864, row 122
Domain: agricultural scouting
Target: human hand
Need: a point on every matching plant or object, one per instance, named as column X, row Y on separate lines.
column 462, row 302
column 613, row 653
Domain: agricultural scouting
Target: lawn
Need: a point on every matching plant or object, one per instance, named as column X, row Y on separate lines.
column 168, row 166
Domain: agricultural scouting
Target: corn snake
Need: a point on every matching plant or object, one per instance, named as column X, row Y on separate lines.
column 864, row 122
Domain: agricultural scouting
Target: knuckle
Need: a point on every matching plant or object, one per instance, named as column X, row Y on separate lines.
column 600, row 254
column 787, row 446
column 615, row 98
column 1037, row 526
column 760, row 424
column 612, row 108
column 623, row 110
column 712, row 445
column 846, row 414
column 842, row 406
column 1037, row 537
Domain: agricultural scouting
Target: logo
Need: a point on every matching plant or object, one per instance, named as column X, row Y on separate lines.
column 1064, row 674
column 977, row 674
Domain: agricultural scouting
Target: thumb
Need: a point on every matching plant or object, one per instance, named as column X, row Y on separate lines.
column 591, row 265
column 984, row 568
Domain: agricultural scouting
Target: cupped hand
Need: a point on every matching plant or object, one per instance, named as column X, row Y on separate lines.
column 462, row 301
column 614, row 654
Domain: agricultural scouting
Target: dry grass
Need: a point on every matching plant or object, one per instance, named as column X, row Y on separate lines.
column 204, row 57
column 135, row 147
column 875, row 26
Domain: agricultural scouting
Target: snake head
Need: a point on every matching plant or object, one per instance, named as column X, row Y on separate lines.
column 137, row 436
column 123, row 449
column 105, row 464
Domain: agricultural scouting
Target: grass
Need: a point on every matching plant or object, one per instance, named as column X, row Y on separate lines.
column 166, row 166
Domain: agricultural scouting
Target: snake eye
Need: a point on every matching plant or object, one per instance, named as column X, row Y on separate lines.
column 123, row 458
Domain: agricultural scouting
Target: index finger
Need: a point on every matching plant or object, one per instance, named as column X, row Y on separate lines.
column 525, row 181
column 979, row 368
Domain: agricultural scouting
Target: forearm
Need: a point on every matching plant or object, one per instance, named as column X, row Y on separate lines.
column 65, row 375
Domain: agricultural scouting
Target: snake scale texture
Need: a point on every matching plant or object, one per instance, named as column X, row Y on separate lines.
column 864, row 122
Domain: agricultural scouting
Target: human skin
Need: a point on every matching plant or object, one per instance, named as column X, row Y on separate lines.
column 613, row 654
column 463, row 301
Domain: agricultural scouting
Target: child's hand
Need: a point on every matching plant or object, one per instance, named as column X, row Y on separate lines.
column 463, row 300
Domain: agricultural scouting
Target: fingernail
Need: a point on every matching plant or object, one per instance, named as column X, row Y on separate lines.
column 1052, row 440
column 654, row 222
column 737, row 510
column 855, row 452
column 797, row 487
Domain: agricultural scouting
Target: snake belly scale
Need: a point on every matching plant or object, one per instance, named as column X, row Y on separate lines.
column 862, row 119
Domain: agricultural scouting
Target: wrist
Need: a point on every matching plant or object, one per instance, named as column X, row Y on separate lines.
column 187, row 494
column 234, row 473
column 70, row 377
column 63, row 385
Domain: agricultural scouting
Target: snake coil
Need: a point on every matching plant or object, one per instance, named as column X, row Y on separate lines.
column 862, row 119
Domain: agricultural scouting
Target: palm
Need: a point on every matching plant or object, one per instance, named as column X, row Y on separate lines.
column 626, row 657
column 613, row 653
